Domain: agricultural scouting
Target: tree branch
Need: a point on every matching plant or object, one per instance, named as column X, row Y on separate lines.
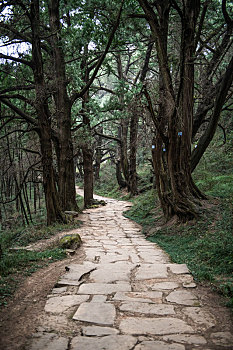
column 87, row 86
column 109, row 137
column 16, row 59
column 227, row 18
column 22, row 114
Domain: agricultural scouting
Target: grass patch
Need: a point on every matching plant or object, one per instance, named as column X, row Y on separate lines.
column 18, row 264
column 23, row 236
column 143, row 210
column 205, row 246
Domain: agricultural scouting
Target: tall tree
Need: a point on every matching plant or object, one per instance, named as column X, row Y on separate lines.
column 178, row 194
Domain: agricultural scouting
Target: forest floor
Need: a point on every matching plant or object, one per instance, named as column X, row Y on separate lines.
column 117, row 291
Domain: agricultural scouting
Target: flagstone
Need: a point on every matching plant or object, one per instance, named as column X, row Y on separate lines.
column 164, row 285
column 158, row 345
column 104, row 288
column 147, row 308
column 156, row 326
column 60, row 304
column 111, row 342
column 98, row 331
column 142, row 297
column 200, row 316
column 96, row 313
column 150, row 271
column 178, row 268
column 222, row 339
column 182, row 297
column 186, row 339
column 49, row 341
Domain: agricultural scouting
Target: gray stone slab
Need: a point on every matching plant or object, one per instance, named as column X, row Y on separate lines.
column 152, row 257
column 189, row 285
column 98, row 298
column 142, row 297
column 178, row 268
column 150, row 271
column 183, row 297
column 111, row 342
column 164, row 286
column 147, row 308
column 158, row 345
column 96, row 313
column 154, row 326
column 103, row 288
column 62, row 303
column 99, row 331
column 186, row 339
column 108, row 273
column 48, row 341
column 222, row 339
column 114, row 257
column 59, row 290
column 76, row 271
column 200, row 316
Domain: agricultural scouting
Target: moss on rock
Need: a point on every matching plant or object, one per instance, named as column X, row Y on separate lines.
column 70, row 241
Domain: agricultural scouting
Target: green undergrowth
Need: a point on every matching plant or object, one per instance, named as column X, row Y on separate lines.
column 206, row 246
column 17, row 263
column 107, row 185
column 23, row 236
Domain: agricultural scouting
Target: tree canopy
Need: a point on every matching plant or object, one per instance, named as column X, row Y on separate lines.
column 128, row 82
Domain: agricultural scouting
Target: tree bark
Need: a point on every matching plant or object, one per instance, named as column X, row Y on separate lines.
column 133, row 151
column 171, row 152
column 54, row 212
column 66, row 175
column 88, row 175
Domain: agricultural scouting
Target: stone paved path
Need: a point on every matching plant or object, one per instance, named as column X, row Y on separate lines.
column 126, row 295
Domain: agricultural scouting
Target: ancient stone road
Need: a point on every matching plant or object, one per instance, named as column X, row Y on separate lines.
column 126, row 295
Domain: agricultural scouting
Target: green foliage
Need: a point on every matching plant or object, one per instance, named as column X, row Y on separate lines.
column 205, row 247
column 22, row 262
column 23, row 236
column 213, row 174
column 107, row 185
column 143, row 211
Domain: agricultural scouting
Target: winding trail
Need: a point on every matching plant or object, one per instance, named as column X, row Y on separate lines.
column 127, row 295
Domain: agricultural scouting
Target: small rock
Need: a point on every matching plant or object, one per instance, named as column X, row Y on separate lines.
column 222, row 338
column 189, row 285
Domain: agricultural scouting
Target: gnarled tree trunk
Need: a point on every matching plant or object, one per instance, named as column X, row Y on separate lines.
column 171, row 153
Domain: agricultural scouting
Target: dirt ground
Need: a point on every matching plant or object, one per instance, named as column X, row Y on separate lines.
column 19, row 319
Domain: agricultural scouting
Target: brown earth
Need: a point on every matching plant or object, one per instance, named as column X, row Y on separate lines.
column 19, row 318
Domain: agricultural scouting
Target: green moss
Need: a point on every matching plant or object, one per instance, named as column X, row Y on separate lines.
column 70, row 241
